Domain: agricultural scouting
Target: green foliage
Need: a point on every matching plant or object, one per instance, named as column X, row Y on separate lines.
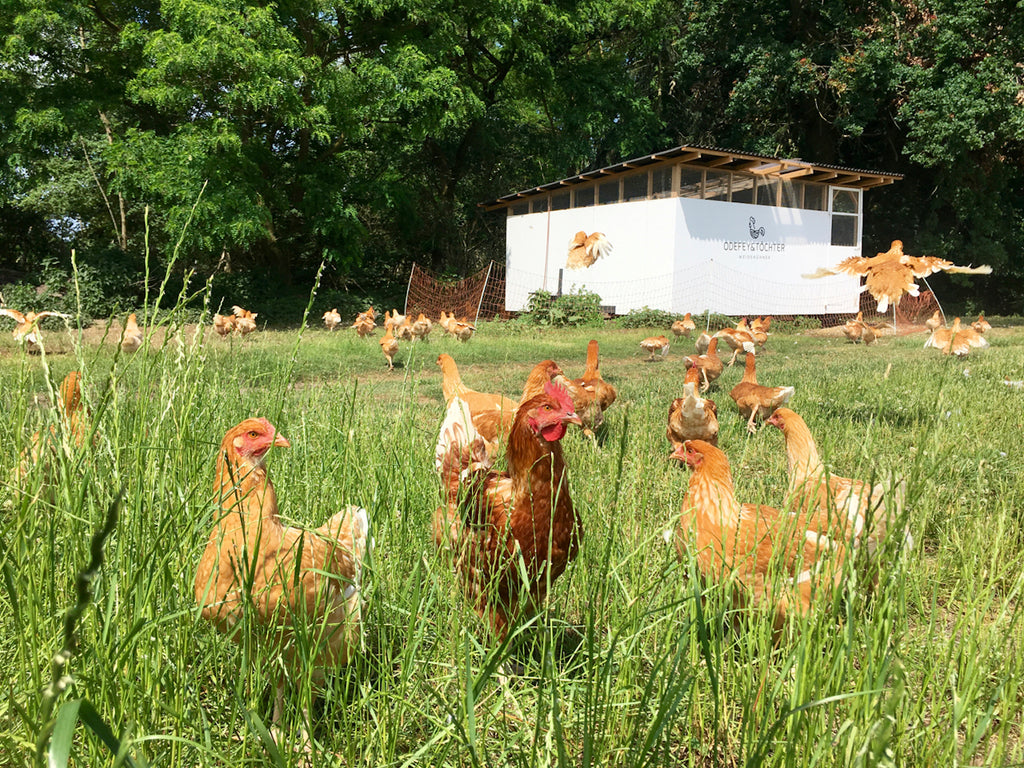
column 85, row 292
column 794, row 324
column 364, row 135
column 579, row 308
column 648, row 318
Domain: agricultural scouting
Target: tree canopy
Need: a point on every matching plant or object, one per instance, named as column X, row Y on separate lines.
column 263, row 138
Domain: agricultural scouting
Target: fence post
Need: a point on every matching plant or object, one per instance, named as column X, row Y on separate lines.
column 487, row 278
column 405, row 309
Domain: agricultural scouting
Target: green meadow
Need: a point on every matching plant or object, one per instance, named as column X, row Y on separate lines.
column 631, row 662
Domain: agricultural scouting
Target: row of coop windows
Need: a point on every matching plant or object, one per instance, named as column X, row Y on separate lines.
column 696, row 183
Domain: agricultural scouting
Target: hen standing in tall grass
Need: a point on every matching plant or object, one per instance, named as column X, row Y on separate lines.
column 66, row 437
column 512, row 533
column 781, row 562
column 132, row 337
column 294, row 586
column 851, row 511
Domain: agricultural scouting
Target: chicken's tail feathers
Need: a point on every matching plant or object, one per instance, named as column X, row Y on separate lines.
column 456, row 431
column 461, row 450
column 601, row 247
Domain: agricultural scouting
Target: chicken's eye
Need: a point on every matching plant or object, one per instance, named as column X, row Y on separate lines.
column 547, row 407
column 253, row 433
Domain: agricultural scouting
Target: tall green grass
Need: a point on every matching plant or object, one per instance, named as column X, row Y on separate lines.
column 630, row 663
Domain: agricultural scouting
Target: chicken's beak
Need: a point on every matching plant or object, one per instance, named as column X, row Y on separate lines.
column 679, row 453
column 280, row 441
column 572, row 418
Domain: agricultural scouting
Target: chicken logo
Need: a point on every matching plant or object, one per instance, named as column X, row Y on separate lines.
column 755, row 231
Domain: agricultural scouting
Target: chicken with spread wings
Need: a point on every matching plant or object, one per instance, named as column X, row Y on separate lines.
column 890, row 275
column 279, row 581
column 585, row 249
column 956, row 340
column 245, row 320
column 26, row 329
column 512, row 534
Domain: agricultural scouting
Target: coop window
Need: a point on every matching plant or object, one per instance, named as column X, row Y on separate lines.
column 661, row 182
column 716, row 186
column 742, row 188
column 814, row 197
column 560, row 201
column 767, row 192
column 583, row 197
column 540, row 204
column 690, row 182
column 845, row 200
column 634, row 187
column 844, row 229
column 608, row 192
column 791, row 192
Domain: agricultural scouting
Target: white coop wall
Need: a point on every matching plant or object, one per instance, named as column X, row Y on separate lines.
column 685, row 255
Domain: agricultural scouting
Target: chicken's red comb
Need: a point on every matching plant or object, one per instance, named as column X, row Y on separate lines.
column 558, row 393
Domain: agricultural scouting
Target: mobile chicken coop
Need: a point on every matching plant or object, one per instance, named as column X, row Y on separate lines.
column 694, row 229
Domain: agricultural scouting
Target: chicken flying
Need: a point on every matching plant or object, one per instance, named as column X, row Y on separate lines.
column 891, row 274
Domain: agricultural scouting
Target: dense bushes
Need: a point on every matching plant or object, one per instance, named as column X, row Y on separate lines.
column 582, row 308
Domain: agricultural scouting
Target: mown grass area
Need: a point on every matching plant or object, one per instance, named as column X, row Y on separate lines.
column 629, row 664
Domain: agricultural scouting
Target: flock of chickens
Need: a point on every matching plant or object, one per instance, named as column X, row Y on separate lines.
column 401, row 327
column 511, row 533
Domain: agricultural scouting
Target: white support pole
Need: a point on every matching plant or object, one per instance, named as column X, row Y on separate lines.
column 405, row 309
column 487, row 278
column 941, row 310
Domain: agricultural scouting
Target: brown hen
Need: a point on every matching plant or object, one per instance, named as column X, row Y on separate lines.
column 512, row 533
column 279, row 581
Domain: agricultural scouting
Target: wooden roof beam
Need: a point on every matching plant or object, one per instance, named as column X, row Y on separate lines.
column 867, row 183
column 795, row 173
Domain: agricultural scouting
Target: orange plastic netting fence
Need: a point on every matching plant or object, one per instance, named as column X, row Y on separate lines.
column 480, row 295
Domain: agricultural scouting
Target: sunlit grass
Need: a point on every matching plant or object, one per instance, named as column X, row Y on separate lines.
column 629, row 665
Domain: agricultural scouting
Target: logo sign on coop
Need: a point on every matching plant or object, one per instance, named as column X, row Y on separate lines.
column 755, row 245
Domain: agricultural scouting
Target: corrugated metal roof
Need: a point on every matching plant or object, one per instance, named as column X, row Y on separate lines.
column 718, row 159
